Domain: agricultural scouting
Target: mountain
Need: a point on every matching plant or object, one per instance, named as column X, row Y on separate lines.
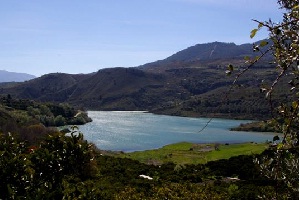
column 6, row 76
column 191, row 82
column 210, row 53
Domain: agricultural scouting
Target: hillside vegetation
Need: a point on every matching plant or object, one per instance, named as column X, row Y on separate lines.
column 191, row 82
column 39, row 162
column 67, row 167
column 31, row 121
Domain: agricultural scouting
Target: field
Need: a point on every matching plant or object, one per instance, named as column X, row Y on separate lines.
column 189, row 153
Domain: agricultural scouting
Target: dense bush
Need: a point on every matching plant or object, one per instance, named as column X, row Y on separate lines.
column 68, row 167
column 49, row 170
column 28, row 112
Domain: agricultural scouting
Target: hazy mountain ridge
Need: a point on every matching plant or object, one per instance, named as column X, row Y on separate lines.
column 6, row 76
column 188, row 83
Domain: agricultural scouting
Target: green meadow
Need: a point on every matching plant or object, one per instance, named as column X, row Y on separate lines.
column 189, row 153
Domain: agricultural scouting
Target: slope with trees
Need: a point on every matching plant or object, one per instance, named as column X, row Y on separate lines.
column 188, row 83
column 68, row 167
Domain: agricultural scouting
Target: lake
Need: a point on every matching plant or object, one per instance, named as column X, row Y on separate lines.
column 136, row 131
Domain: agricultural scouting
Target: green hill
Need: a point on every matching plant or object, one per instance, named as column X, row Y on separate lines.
column 191, row 82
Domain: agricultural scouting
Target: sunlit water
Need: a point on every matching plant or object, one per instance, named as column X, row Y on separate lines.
column 135, row 131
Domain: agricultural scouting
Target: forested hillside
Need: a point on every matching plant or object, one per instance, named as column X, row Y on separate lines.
column 188, row 83
column 37, row 161
column 31, row 120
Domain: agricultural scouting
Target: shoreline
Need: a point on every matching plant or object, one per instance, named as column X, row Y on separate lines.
column 255, row 125
column 112, row 131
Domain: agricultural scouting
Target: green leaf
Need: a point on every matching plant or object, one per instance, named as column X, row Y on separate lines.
column 230, row 67
column 253, row 32
column 229, row 70
column 295, row 104
column 279, row 146
column 296, row 7
column 260, row 25
column 263, row 43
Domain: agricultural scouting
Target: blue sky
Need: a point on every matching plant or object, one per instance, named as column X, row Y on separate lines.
column 83, row 36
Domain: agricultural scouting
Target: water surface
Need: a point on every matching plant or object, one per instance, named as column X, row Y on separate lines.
column 136, row 131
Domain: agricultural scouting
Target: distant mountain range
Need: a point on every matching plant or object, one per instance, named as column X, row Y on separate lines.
column 6, row 76
column 191, row 82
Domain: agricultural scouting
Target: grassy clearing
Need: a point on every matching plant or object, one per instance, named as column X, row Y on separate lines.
column 189, row 153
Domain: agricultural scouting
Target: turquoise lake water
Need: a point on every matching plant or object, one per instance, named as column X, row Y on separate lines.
column 135, row 131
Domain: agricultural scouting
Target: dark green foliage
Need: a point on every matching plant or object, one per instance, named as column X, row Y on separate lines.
column 32, row 121
column 68, row 167
column 45, row 171
column 208, row 181
column 283, row 164
column 28, row 112
column 260, row 126
column 15, row 169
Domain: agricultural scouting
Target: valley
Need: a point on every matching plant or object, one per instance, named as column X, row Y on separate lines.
column 191, row 82
column 50, row 163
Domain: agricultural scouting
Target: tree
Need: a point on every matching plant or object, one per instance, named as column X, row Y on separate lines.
column 282, row 163
column 59, row 120
column 58, row 168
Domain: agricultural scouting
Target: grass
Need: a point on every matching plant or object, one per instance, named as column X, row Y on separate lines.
column 189, row 153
